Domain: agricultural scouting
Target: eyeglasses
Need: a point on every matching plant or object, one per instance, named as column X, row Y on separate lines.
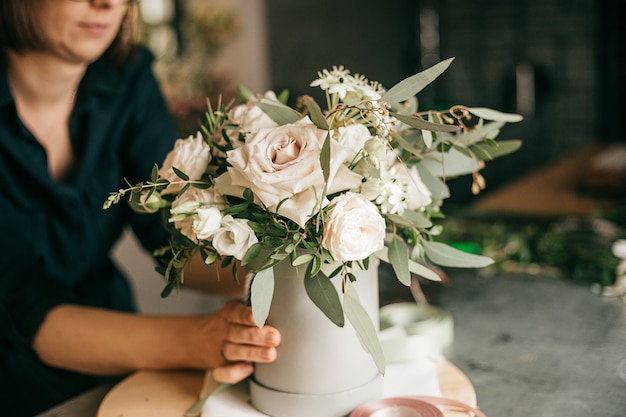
column 121, row 2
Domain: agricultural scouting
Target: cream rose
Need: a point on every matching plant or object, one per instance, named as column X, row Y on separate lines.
column 249, row 118
column 191, row 156
column 234, row 237
column 284, row 163
column 355, row 228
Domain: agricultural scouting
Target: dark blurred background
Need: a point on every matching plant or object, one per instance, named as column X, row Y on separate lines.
column 559, row 63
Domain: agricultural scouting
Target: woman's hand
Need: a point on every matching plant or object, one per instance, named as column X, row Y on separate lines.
column 238, row 342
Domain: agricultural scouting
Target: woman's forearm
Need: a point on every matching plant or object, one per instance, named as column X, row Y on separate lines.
column 97, row 341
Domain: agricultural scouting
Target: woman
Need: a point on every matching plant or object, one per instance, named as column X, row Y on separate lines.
column 80, row 110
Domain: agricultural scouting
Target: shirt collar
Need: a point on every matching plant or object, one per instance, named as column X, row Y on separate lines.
column 101, row 77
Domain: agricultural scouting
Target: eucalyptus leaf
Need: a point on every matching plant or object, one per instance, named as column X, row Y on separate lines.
column 419, row 123
column 449, row 164
column 325, row 157
column 412, row 85
column 495, row 115
column 445, row 255
column 501, row 148
column 438, row 189
column 404, row 144
column 364, row 327
column 399, row 259
column 323, row 293
column 423, row 271
column 317, row 117
column 261, row 294
column 427, row 135
column 278, row 112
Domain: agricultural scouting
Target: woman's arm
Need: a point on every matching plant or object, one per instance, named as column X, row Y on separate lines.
column 97, row 341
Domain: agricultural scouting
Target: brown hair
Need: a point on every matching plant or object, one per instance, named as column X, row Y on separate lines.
column 19, row 31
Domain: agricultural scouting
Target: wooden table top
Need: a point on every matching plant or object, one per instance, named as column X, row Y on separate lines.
column 170, row 394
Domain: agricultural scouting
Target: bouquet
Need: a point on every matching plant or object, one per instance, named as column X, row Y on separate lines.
column 361, row 176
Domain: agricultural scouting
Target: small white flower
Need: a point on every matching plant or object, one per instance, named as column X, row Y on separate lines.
column 234, row 237
column 337, row 81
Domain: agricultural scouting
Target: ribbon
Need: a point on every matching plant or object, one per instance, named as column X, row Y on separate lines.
column 410, row 331
column 413, row 406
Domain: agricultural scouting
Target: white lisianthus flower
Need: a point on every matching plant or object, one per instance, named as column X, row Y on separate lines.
column 191, row 156
column 284, row 163
column 353, row 138
column 206, row 222
column 185, row 208
column 355, row 228
column 234, row 237
column 417, row 194
column 249, row 118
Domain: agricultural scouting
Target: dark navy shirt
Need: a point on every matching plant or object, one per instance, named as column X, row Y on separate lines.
column 55, row 237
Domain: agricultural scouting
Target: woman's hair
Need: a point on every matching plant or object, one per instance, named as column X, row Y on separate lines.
column 20, row 32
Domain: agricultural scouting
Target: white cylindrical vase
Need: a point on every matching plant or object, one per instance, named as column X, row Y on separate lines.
column 322, row 370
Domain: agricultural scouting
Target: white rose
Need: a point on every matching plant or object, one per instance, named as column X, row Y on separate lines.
column 191, row 156
column 234, row 237
column 353, row 138
column 185, row 208
column 355, row 228
column 284, row 163
column 206, row 222
column 250, row 118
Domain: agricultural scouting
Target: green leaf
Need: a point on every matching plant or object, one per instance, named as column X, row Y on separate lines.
column 251, row 253
column 449, row 164
column 495, row 115
column 154, row 175
column 411, row 218
column 278, row 112
column 501, row 148
column 364, row 327
column 444, row 255
column 423, row 271
column 244, row 93
column 412, row 85
column 325, row 157
column 399, row 259
column 317, row 117
column 324, row 295
column 261, row 294
column 302, row 259
column 419, row 123
column 180, row 174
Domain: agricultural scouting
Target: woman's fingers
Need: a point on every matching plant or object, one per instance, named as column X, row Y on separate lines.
column 244, row 340
column 236, row 312
column 237, row 352
column 232, row 373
